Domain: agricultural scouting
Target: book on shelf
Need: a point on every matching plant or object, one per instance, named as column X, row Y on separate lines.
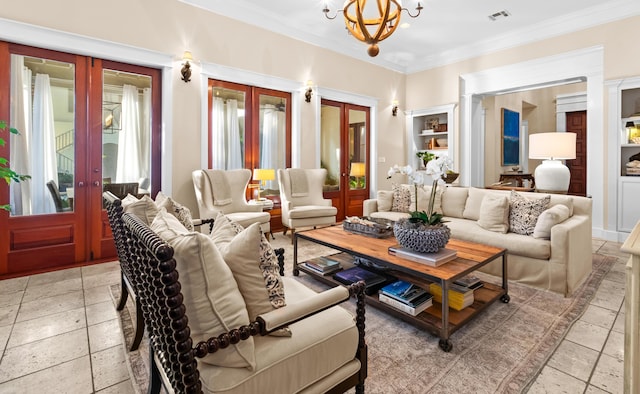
column 422, row 303
column 469, row 281
column 459, row 297
column 372, row 280
column 323, row 265
column 431, row 259
column 403, row 291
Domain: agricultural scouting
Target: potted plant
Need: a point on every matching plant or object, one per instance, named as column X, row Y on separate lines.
column 425, row 156
column 423, row 231
column 5, row 172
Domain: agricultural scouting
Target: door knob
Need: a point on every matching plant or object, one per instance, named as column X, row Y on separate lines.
column 80, row 184
column 96, row 183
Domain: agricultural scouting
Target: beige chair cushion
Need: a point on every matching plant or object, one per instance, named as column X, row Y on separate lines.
column 494, row 213
column 401, row 198
column 523, row 212
column 549, row 218
column 128, row 200
column 210, row 292
column 385, row 200
column 312, row 211
column 254, row 265
column 454, row 200
column 320, row 345
column 182, row 213
column 144, row 208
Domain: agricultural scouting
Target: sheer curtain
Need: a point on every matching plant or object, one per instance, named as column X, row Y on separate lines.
column 44, row 165
column 272, row 142
column 145, row 134
column 21, row 120
column 226, row 146
column 128, row 164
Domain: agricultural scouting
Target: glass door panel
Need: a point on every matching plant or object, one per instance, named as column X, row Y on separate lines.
column 357, row 149
column 43, row 111
column 227, row 128
column 272, row 146
column 126, row 133
column 330, row 149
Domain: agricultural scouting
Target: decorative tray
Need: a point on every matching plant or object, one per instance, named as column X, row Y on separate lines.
column 370, row 227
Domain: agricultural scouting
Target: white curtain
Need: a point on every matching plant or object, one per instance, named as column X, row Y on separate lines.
column 226, row 146
column 43, row 165
column 128, row 164
column 21, row 120
column 145, row 134
column 272, row 141
column 235, row 158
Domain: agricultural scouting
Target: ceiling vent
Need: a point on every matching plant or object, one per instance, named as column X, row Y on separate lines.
column 499, row 15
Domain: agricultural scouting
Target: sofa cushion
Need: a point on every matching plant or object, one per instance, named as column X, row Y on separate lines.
column 524, row 212
column 454, row 200
column 210, row 292
column 385, row 200
column 549, row 218
column 254, row 266
column 494, row 213
column 311, row 211
column 474, row 202
column 182, row 213
column 144, row 208
column 424, row 194
column 401, row 197
column 469, row 230
column 322, row 343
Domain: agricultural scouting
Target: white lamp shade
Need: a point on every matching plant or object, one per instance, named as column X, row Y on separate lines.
column 560, row 146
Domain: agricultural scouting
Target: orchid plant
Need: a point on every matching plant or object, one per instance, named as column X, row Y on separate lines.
column 436, row 171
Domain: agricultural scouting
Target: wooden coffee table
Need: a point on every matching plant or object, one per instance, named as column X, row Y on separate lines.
column 439, row 321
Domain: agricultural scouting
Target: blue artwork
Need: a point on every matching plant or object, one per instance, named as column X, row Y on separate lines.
column 510, row 138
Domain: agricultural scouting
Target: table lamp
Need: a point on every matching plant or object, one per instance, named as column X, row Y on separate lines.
column 552, row 175
column 357, row 171
column 263, row 175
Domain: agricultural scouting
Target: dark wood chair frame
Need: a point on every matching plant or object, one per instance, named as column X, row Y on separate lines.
column 151, row 271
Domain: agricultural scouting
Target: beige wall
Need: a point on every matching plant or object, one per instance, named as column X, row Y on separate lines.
column 170, row 27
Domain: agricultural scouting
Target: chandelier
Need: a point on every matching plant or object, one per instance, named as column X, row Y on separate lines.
column 371, row 30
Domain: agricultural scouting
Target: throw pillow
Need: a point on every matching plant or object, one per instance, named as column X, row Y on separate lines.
column 523, row 213
column 128, row 200
column 401, row 198
column 385, row 200
column 144, row 208
column 182, row 213
column 210, row 292
column 494, row 213
column 253, row 263
column 549, row 218
column 474, row 201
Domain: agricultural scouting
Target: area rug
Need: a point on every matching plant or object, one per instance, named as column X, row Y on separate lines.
column 501, row 351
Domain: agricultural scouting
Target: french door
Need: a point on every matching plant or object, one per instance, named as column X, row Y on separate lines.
column 83, row 122
column 344, row 153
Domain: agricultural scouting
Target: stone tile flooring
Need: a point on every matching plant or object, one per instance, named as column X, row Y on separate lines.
column 59, row 334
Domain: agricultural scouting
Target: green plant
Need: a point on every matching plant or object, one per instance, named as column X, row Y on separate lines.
column 425, row 156
column 5, row 172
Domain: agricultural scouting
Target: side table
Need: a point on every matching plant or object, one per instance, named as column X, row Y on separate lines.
column 267, row 205
column 518, row 179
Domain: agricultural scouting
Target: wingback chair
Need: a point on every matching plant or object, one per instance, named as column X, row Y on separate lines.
column 225, row 191
column 301, row 199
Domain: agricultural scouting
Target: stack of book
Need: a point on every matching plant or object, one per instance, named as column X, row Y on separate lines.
column 459, row 297
column 431, row 259
column 323, row 265
column 372, row 280
column 406, row 297
column 469, row 281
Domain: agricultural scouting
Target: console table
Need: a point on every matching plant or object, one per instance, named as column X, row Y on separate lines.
column 517, row 179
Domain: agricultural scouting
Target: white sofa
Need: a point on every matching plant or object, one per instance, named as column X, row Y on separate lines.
column 559, row 264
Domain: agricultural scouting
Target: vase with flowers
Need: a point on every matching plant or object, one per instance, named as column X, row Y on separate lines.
column 423, row 231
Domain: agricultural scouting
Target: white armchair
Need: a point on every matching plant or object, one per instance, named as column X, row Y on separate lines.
column 225, row 191
column 301, row 199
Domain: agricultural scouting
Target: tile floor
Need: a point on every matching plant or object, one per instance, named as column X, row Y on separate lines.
column 59, row 334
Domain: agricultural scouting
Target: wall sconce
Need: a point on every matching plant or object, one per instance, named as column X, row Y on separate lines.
column 186, row 67
column 394, row 108
column 309, row 92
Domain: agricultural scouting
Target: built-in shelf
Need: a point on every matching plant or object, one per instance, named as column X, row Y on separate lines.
column 430, row 130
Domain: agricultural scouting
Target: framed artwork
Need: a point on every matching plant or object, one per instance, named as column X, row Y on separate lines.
column 510, row 138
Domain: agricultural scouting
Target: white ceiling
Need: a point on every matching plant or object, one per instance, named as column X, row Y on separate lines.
column 446, row 31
